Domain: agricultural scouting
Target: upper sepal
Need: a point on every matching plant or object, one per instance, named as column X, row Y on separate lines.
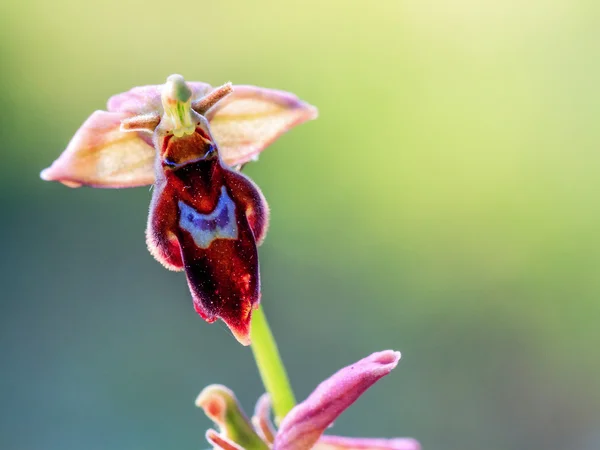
column 147, row 99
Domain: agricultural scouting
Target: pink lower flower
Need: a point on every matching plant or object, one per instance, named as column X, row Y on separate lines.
column 303, row 427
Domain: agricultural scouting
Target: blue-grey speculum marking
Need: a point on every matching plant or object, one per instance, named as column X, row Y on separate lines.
column 205, row 228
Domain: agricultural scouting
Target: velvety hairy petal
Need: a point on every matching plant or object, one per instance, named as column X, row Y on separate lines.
column 221, row 406
column 346, row 443
column 101, row 155
column 248, row 120
column 305, row 423
column 146, row 99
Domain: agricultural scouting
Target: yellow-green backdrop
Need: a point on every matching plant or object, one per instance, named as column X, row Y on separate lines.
column 445, row 204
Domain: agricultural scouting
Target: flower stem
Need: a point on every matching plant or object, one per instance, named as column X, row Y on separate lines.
column 270, row 366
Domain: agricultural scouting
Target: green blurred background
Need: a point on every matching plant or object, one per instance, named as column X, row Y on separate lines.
column 444, row 204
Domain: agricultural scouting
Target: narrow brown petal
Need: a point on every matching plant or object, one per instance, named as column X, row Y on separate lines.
column 211, row 99
column 145, row 122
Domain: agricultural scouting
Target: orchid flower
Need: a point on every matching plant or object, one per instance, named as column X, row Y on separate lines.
column 302, row 428
column 190, row 141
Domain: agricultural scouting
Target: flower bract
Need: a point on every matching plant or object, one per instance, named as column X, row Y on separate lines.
column 303, row 427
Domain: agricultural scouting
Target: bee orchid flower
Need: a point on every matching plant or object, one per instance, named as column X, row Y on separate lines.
column 190, row 141
column 302, row 428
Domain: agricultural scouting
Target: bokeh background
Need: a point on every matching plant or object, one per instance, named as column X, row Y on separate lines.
column 445, row 204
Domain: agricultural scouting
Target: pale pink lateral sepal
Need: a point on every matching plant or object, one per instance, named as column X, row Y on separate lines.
column 101, row 155
column 304, row 424
column 248, row 120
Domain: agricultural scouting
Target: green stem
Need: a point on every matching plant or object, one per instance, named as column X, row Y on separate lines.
column 270, row 366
